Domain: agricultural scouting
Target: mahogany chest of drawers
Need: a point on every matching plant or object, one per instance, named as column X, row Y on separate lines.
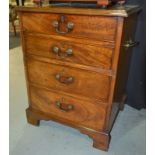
column 76, row 65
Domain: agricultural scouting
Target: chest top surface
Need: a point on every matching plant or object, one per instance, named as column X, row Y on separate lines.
column 124, row 11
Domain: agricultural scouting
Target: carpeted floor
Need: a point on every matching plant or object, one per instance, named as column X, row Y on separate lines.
column 128, row 134
column 14, row 41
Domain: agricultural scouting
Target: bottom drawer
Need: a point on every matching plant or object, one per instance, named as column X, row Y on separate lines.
column 84, row 113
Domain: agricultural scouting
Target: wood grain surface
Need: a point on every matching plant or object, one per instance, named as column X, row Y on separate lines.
column 89, row 55
column 85, row 113
column 92, row 27
column 85, row 83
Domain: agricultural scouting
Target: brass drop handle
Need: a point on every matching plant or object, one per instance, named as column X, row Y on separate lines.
column 130, row 44
column 64, row 79
column 64, row 107
column 70, row 25
column 56, row 50
column 69, row 52
column 56, row 24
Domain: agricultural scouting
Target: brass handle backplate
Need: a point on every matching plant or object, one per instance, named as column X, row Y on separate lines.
column 56, row 50
column 130, row 44
column 69, row 25
column 64, row 107
column 64, row 79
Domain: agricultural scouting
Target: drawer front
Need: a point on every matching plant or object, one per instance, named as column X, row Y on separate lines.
column 92, row 27
column 70, row 109
column 70, row 80
column 69, row 51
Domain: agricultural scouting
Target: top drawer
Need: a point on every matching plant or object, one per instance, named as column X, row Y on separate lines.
column 92, row 27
